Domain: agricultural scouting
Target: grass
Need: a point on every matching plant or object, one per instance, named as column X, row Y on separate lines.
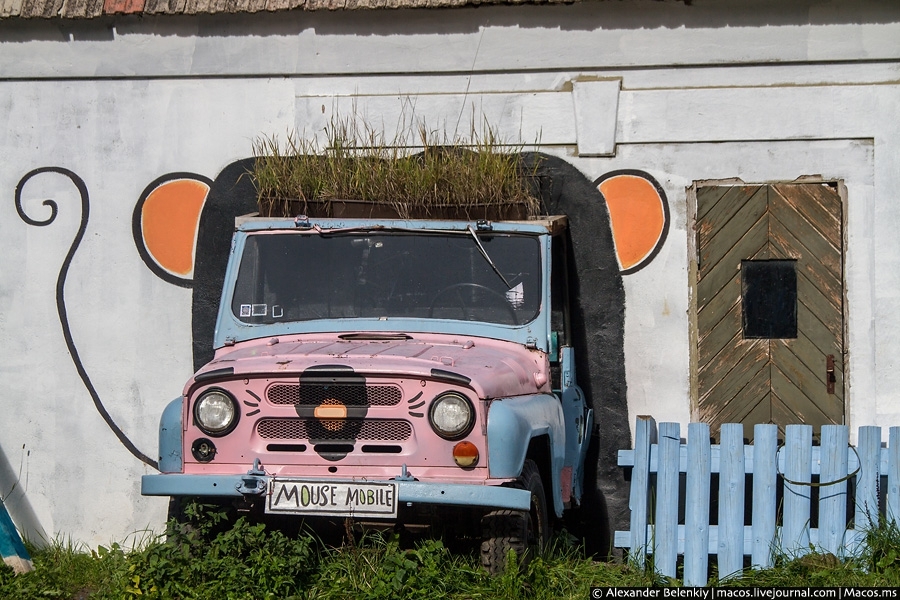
column 247, row 562
column 416, row 173
column 66, row 570
column 208, row 559
column 878, row 565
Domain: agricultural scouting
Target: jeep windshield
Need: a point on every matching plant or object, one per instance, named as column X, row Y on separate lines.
column 287, row 277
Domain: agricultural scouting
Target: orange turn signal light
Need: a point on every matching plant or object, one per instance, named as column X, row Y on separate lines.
column 465, row 454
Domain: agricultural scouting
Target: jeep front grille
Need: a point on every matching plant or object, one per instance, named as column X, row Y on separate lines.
column 333, row 429
column 348, row 394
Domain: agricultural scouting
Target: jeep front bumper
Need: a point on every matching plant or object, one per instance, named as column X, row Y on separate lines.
column 250, row 485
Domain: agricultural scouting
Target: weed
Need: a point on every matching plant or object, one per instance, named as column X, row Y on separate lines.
column 64, row 569
column 246, row 559
column 881, row 554
column 378, row 567
column 877, row 565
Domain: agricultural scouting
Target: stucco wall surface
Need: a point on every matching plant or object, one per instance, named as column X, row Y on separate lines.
column 760, row 91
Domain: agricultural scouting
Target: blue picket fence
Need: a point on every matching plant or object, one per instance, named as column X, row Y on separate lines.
column 672, row 491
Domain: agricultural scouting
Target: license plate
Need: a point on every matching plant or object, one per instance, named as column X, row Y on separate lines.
column 332, row 498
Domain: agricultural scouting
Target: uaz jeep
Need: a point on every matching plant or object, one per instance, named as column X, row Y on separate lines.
column 390, row 371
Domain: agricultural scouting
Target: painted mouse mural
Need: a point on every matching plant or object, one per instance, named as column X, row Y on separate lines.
column 618, row 224
column 182, row 225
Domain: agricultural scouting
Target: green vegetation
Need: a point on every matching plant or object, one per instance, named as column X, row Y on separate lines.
column 877, row 566
column 417, row 173
column 205, row 558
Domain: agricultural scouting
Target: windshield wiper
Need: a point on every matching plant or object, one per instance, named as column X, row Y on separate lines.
column 375, row 336
column 341, row 230
column 366, row 228
column 486, row 257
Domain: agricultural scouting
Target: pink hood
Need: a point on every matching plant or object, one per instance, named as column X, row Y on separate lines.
column 496, row 368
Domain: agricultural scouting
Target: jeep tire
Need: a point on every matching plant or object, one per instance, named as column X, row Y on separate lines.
column 523, row 532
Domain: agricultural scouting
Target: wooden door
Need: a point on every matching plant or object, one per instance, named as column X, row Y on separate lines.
column 770, row 305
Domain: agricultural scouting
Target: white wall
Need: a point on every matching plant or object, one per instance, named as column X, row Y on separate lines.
column 748, row 89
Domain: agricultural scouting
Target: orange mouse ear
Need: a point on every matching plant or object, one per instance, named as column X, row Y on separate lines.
column 638, row 214
column 165, row 224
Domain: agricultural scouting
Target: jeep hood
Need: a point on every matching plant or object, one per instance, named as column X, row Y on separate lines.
column 493, row 368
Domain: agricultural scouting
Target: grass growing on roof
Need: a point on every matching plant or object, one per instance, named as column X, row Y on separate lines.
column 416, row 173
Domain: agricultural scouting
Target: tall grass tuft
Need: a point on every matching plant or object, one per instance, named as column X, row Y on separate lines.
column 416, row 173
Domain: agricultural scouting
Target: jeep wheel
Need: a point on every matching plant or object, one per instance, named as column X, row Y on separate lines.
column 522, row 532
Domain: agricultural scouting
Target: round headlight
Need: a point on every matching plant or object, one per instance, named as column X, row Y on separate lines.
column 215, row 413
column 451, row 416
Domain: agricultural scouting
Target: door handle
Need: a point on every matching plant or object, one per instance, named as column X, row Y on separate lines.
column 829, row 373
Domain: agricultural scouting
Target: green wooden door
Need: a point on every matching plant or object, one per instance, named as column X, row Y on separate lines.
column 770, row 305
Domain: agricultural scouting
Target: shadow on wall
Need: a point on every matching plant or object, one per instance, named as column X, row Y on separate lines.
column 617, row 225
column 585, row 16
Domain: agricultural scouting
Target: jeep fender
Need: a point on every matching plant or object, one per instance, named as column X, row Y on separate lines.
column 511, row 425
column 170, row 459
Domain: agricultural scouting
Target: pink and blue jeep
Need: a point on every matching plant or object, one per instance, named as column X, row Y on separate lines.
column 402, row 372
